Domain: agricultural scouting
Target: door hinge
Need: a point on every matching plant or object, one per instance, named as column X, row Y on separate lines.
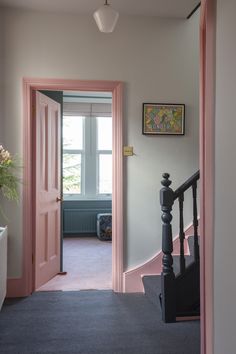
column 32, row 258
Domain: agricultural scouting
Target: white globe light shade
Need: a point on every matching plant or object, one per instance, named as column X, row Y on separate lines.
column 106, row 18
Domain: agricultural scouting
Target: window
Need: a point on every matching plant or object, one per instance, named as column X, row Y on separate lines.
column 87, row 157
column 105, row 174
column 73, row 153
column 104, row 157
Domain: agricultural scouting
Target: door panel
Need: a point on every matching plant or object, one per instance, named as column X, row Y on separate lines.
column 42, row 252
column 58, row 97
column 47, row 188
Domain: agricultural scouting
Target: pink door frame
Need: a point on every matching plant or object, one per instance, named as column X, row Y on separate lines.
column 25, row 286
column 207, row 105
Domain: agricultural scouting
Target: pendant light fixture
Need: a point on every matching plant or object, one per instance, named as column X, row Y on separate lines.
column 106, row 18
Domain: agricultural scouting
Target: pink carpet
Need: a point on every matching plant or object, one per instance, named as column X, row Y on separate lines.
column 87, row 261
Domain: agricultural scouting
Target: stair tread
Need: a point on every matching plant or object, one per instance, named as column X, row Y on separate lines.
column 176, row 265
column 154, row 281
column 191, row 244
column 152, row 287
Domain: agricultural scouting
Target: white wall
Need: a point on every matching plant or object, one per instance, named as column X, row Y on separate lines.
column 1, row 77
column 158, row 61
column 225, row 174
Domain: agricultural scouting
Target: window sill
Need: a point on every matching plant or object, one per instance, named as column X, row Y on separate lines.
column 70, row 197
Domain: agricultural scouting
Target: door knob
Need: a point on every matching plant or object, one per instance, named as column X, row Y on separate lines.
column 59, row 200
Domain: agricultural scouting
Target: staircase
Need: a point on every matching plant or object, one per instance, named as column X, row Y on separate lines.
column 176, row 292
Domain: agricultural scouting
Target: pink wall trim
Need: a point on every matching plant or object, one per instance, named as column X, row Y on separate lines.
column 117, row 189
column 207, row 104
column 25, row 285
column 133, row 277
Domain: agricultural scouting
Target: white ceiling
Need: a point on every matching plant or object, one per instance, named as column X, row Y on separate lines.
column 161, row 8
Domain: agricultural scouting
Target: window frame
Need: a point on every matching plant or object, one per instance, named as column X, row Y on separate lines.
column 98, row 153
column 89, row 160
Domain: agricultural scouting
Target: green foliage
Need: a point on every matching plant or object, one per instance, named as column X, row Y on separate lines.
column 71, row 173
column 8, row 175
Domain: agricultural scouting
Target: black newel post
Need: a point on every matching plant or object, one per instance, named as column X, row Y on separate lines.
column 167, row 275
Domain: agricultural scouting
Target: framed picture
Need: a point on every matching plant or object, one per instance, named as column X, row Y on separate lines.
column 163, row 119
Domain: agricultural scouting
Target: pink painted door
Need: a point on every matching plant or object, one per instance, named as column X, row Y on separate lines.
column 47, row 187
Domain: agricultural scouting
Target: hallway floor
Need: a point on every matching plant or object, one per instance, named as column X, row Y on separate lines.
column 87, row 261
column 92, row 322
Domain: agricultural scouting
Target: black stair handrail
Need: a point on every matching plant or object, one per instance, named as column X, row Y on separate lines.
column 187, row 184
column 167, row 199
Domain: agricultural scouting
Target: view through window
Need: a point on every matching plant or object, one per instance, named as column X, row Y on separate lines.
column 87, row 156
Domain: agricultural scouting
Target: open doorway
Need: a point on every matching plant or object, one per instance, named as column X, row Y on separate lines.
column 31, row 86
column 86, row 191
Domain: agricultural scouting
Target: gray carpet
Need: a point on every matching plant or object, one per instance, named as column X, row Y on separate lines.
column 92, row 322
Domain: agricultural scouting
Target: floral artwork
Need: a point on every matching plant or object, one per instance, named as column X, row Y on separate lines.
column 163, row 119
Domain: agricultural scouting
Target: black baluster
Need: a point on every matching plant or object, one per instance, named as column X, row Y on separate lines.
column 195, row 222
column 181, row 234
column 167, row 275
